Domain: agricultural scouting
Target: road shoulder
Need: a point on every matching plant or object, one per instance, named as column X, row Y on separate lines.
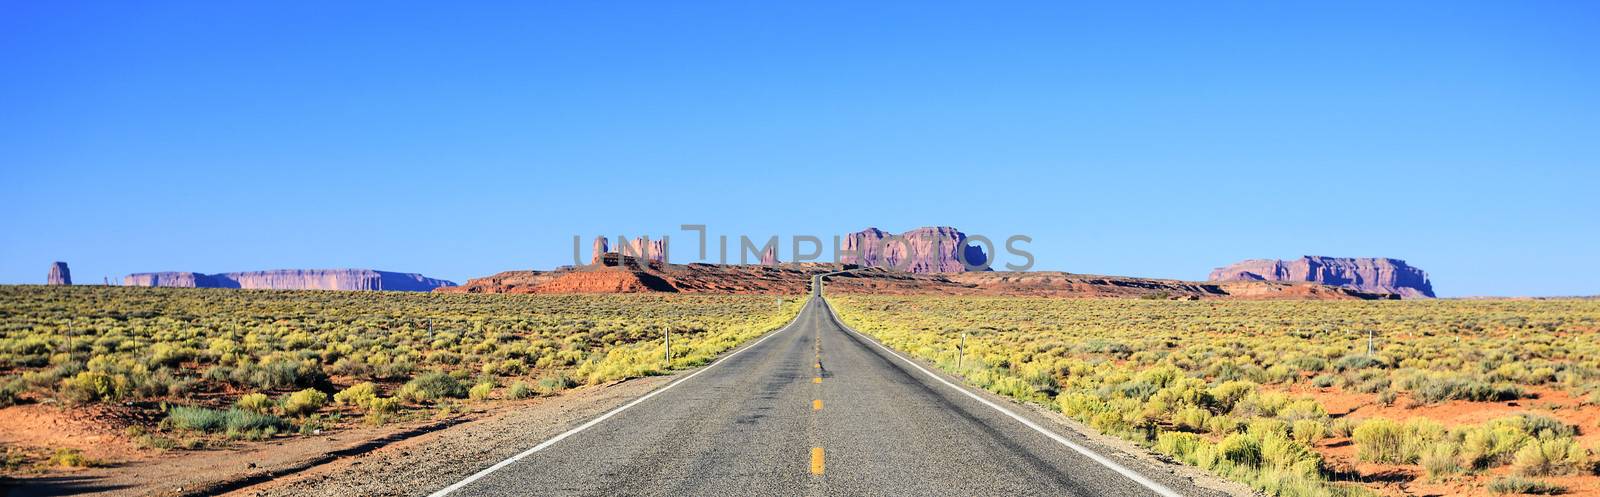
column 425, row 463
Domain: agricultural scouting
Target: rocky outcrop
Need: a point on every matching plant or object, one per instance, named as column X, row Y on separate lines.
column 645, row 249
column 59, row 274
column 293, row 279
column 601, row 246
column 866, row 248
column 922, row 250
column 178, row 279
column 769, row 257
column 793, row 279
column 1365, row 274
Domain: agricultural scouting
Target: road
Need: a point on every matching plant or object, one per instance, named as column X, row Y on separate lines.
column 816, row 409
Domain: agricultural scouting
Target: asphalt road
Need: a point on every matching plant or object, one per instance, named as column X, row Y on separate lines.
column 815, row 409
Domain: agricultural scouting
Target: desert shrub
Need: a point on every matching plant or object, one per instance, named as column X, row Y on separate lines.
column 1384, row 441
column 236, row 423
column 304, row 402
column 1282, row 483
column 1302, row 409
column 1281, row 453
column 1524, row 486
column 1440, row 460
column 1222, row 425
column 1241, row 449
column 432, row 386
column 165, row 354
column 1191, row 418
column 1263, row 427
column 1308, row 431
column 1323, row 380
column 1011, row 386
column 1387, row 397
column 379, row 409
column 254, row 402
column 1493, row 443
column 1080, row 406
column 1111, row 422
column 359, row 395
column 1225, row 395
column 519, row 390
column 1373, row 385
column 1352, row 362
column 12, row 458
column 162, row 382
column 1179, row 445
column 1452, row 387
column 312, row 424
column 1546, row 427
column 1308, row 363
column 10, row 392
column 1552, row 457
column 89, row 386
column 1279, row 373
column 1342, row 427
column 197, row 419
column 481, row 391
column 552, row 383
column 272, row 374
column 71, row 458
column 1260, row 404
column 154, row 441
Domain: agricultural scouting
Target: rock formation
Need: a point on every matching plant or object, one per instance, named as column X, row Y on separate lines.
column 769, row 257
column 178, row 279
column 793, row 279
column 59, row 274
column 658, row 251
column 922, row 250
column 1366, row 274
column 866, row 248
column 651, row 251
column 601, row 246
column 293, row 279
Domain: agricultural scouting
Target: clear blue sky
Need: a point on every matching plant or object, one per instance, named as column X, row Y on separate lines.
column 1155, row 141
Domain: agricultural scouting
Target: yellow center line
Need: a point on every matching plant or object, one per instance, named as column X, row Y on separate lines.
column 816, row 460
column 816, row 405
column 817, row 380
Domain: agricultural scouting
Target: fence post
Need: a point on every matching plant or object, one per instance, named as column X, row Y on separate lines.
column 961, row 350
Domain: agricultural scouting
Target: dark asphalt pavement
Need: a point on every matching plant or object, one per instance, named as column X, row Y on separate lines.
column 768, row 420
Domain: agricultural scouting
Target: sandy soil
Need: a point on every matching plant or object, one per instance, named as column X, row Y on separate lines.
column 1411, row 480
column 362, row 460
column 96, row 430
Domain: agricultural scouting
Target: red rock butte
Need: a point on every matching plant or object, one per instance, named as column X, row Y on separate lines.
column 1366, row 274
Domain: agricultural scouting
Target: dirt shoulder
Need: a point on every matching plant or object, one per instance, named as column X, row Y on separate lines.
column 404, row 458
column 422, row 464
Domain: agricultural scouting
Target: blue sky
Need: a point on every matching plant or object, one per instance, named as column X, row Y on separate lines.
column 1161, row 140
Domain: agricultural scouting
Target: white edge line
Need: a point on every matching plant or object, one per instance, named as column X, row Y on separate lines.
column 1131, row 474
column 547, row 443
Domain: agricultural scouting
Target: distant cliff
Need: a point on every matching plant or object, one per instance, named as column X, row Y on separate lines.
column 293, row 279
column 59, row 274
column 1366, row 274
column 913, row 251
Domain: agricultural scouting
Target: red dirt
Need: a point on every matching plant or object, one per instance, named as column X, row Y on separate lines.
column 96, row 430
column 1411, row 480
